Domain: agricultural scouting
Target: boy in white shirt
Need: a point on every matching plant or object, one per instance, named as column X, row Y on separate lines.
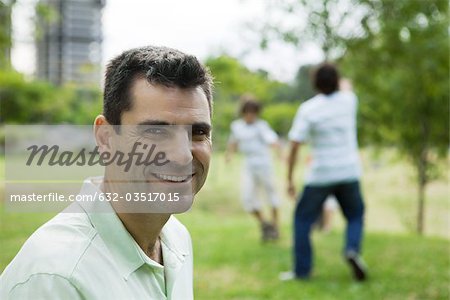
column 253, row 138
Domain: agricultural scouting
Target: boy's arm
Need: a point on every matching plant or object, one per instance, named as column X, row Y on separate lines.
column 271, row 137
column 231, row 149
column 292, row 159
column 276, row 146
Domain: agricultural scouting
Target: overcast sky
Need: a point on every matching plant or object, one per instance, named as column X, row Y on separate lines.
column 199, row 27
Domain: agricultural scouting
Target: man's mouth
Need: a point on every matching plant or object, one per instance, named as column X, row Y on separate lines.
column 173, row 178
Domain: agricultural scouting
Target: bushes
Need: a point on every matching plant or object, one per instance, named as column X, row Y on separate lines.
column 29, row 102
column 224, row 114
column 280, row 116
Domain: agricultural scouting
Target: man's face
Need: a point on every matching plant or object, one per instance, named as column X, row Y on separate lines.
column 157, row 107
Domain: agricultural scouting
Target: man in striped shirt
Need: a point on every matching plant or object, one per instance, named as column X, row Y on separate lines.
column 328, row 123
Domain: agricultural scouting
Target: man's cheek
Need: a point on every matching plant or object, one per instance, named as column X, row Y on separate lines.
column 202, row 150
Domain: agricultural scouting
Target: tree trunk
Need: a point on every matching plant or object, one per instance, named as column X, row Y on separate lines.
column 422, row 166
column 421, row 208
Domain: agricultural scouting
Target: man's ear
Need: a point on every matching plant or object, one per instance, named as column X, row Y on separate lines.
column 103, row 133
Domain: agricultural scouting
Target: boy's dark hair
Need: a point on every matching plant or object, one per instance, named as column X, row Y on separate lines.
column 159, row 65
column 326, row 79
column 249, row 105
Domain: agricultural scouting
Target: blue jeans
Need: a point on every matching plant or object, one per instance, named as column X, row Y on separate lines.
column 308, row 209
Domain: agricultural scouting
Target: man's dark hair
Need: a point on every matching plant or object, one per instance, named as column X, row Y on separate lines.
column 326, row 79
column 159, row 65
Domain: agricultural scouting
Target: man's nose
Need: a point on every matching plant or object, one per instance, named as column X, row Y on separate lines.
column 180, row 150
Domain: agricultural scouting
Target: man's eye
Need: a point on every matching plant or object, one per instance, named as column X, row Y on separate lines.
column 155, row 131
column 200, row 132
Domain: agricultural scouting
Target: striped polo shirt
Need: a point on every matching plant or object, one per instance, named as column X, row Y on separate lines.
column 328, row 123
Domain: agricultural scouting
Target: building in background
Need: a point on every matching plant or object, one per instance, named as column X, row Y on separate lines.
column 69, row 46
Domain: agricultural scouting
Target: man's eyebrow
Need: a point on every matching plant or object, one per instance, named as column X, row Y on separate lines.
column 154, row 122
column 201, row 125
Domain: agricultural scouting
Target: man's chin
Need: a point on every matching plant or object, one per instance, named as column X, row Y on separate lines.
column 157, row 196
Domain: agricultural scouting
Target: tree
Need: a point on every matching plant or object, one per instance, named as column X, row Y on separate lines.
column 233, row 79
column 397, row 54
column 302, row 85
column 326, row 23
column 30, row 102
column 401, row 68
column 5, row 33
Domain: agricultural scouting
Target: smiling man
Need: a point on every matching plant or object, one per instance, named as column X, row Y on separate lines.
column 128, row 249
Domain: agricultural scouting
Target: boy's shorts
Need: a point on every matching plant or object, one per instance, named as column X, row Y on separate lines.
column 257, row 183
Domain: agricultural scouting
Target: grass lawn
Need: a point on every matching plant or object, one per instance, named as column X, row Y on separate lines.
column 231, row 263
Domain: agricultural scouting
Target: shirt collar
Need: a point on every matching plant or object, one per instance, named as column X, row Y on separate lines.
column 126, row 252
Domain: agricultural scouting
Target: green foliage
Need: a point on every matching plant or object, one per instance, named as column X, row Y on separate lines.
column 28, row 102
column 46, row 15
column 24, row 102
column 396, row 52
column 46, row 12
column 303, row 87
column 280, row 116
column 404, row 98
column 224, row 114
column 405, row 95
column 5, row 32
column 326, row 23
column 233, row 79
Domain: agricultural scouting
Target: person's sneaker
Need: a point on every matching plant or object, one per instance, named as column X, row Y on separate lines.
column 274, row 234
column 266, row 229
column 357, row 264
column 289, row 275
column 286, row 276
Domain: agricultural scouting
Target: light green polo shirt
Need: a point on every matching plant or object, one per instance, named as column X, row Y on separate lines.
column 89, row 255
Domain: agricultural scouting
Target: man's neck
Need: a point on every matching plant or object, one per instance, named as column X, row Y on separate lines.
column 146, row 229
